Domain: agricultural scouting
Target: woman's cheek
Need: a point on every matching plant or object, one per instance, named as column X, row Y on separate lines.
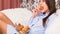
column 41, row 8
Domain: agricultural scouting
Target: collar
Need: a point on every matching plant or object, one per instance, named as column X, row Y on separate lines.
column 42, row 15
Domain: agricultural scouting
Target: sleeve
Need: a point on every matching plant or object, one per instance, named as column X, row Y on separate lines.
column 11, row 30
column 30, row 22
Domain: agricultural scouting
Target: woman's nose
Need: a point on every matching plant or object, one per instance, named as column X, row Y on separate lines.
column 41, row 4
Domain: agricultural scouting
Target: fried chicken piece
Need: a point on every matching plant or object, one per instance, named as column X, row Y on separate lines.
column 19, row 27
column 24, row 30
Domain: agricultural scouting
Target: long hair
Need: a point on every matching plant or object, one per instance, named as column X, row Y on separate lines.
column 52, row 9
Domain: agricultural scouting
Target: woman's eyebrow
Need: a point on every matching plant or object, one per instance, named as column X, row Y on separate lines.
column 42, row 0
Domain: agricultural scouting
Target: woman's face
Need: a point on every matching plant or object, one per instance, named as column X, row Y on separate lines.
column 43, row 6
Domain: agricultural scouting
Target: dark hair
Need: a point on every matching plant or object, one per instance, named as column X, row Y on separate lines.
column 52, row 9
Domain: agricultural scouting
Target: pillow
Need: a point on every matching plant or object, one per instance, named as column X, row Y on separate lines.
column 54, row 28
column 58, row 12
column 18, row 15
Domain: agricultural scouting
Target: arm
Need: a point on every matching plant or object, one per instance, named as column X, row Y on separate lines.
column 5, row 19
column 3, row 27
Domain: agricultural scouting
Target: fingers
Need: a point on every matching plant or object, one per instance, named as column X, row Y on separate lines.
column 41, row 8
column 19, row 27
column 35, row 12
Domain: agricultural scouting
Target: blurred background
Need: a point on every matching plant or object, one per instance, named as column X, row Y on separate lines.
column 30, row 4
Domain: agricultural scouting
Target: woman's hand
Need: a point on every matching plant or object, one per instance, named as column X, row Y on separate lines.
column 24, row 30
column 19, row 27
column 35, row 12
column 41, row 8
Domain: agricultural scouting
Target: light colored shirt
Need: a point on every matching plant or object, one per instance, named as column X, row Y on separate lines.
column 50, row 20
column 36, row 24
column 11, row 30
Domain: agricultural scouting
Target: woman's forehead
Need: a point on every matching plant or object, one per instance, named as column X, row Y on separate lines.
column 42, row 0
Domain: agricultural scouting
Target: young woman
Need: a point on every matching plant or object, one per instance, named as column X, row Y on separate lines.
column 43, row 15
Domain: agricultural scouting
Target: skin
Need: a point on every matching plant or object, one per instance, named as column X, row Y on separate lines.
column 41, row 8
column 3, row 27
column 4, row 18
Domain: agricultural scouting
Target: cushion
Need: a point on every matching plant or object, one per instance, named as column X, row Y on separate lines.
column 18, row 15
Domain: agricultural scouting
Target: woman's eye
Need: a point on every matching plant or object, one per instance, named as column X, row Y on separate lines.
column 43, row 0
